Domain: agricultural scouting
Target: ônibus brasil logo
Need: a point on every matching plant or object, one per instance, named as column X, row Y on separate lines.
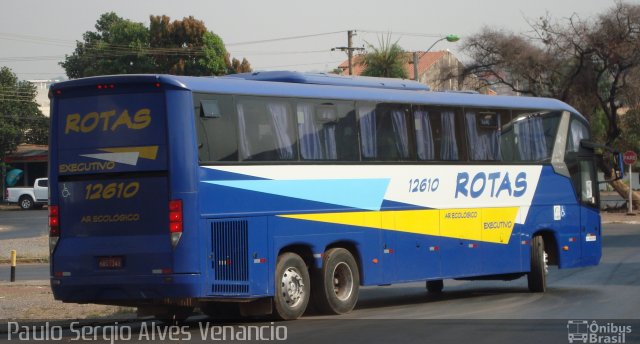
column 584, row 332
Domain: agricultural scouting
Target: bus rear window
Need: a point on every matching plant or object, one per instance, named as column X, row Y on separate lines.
column 111, row 133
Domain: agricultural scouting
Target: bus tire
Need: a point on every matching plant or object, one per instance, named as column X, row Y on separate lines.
column 293, row 287
column 337, row 286
column 25, row 202
column 435, row 287
column 537, row 277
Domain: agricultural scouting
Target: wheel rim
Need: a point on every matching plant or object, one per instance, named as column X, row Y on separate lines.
column 545, row 263
column 26, row 203
column 342, row 281
column 292, row 287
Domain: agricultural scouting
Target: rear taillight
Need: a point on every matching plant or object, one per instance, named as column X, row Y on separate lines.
column 175, row 221
column 6, row 194
column 54, row 227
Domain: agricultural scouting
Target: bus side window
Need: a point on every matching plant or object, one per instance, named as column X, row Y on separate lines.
column 326, row 131
column 578, row 131
column 529, row 136
column 445, row 134
column 216, row 128
column 436, row 134
column 425, row 142
column 384, row 134
column 347, row 133
column 266, row 129
column 483, row 133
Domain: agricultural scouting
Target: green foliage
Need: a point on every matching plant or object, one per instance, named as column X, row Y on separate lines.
column 117, row 47
column 20, row 118
column 120, row 46
column 386, row 60
column 214, row 54
column 598, row 123
column 630, row 138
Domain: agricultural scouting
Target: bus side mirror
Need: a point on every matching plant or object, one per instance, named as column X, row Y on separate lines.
column 618, row 163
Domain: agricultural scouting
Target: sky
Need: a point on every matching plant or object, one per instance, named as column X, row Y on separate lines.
column 36, row 34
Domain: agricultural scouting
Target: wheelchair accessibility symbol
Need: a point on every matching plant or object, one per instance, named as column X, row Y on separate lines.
column 65, row 192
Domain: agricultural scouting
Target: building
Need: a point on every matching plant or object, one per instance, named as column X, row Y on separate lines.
column 42, row 95
column 437, row 69
column 31, row 159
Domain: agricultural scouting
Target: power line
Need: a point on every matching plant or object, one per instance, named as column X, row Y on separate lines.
column 26, row 118
column 281, row 52
column 303, row 64
column 55, row 41
column 283, row 38
column 100, row 50
column 23, row 95
column 153, row 52
column 416, row 34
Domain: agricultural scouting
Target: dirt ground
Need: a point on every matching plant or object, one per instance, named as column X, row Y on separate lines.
column 34, row 300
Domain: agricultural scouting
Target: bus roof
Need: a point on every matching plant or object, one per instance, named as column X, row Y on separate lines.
column 332, row 79
column 283, row 88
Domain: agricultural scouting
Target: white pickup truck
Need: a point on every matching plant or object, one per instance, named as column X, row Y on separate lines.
column 28, row 198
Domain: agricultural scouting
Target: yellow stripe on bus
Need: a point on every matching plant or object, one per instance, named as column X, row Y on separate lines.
column 492, row 225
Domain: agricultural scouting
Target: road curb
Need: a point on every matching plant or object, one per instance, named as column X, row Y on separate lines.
column 26, row 261
column 26, row 283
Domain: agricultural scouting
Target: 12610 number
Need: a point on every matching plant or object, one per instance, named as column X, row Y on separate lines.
column 112, row 190
column 424, row 184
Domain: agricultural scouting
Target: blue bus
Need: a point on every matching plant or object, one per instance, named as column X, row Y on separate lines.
column 262, row 193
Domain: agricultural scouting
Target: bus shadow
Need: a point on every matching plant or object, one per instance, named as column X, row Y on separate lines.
column 404, row 296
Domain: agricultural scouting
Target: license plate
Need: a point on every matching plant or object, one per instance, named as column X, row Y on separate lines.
column 110, row 262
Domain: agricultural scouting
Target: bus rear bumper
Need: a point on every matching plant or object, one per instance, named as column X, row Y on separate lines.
column 125, row 289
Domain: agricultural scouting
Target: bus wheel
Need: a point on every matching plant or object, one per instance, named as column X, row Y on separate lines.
column 435, row 287
column 292, row 287
column 337, row 286
column 25, row 202
column 537, row 277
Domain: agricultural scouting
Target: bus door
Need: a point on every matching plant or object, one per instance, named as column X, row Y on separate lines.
column 590, row 226
column 580, row 159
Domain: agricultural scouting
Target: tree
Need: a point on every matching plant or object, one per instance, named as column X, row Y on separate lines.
column 21, row 121
column 590, row 64
column 185, row 47
column 235, row 66
column 387, row 60
column 120, row 46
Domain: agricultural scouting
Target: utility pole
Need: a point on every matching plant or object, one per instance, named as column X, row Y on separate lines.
column 349, row 49
column 415, row 66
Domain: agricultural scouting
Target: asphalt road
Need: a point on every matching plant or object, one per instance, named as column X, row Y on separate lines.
column 15, row 224
column 478, row 311
column 25, row 272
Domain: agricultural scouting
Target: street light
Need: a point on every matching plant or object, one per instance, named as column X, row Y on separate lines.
column 449, row 38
